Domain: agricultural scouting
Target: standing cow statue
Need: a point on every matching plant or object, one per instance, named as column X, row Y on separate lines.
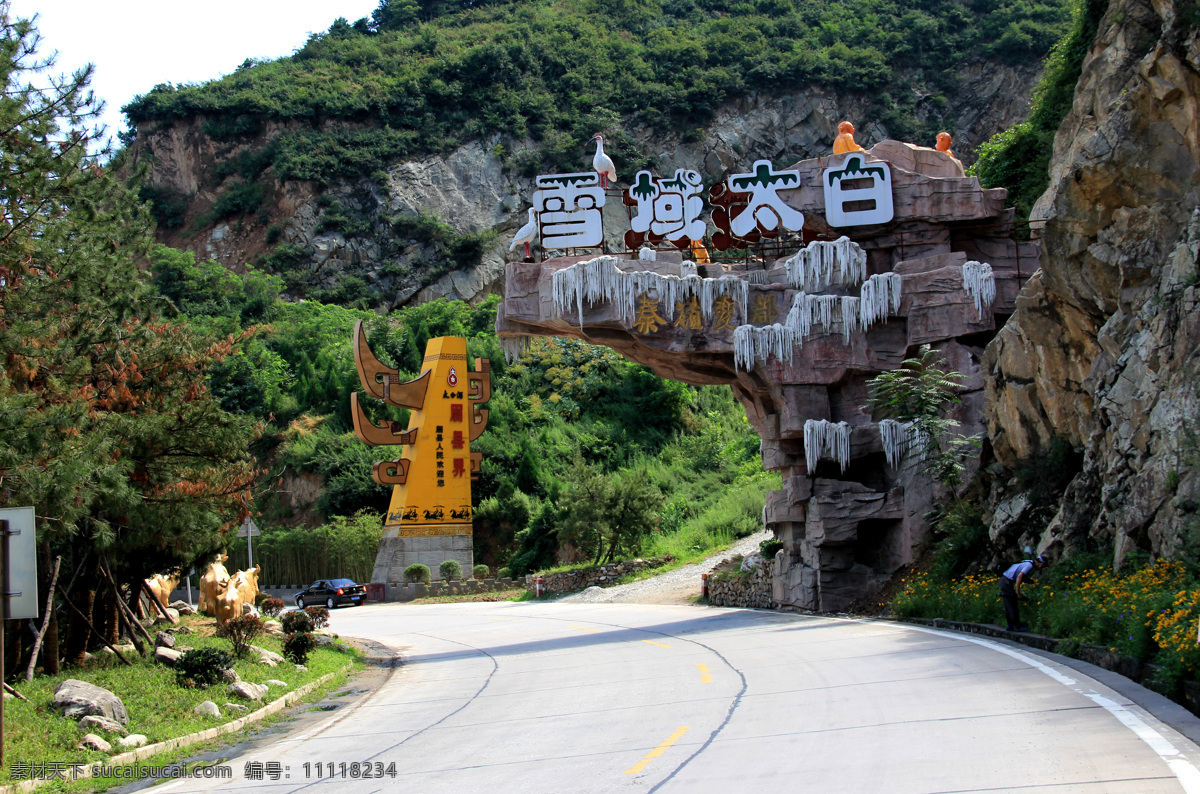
column 162, row 587
column 214, row 579
column 246, row 583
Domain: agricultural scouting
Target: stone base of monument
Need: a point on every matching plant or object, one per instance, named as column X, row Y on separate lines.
column 397, row 553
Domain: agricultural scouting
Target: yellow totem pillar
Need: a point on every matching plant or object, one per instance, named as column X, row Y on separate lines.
column 429, row 518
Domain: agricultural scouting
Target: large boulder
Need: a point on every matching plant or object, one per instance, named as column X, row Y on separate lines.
column 167, row 656
column 79, row 698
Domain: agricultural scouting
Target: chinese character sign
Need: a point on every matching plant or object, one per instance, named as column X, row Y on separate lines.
column 667, row 209
column 748, row 206
column 568, row 207
column 857, row 194
column 431, row 492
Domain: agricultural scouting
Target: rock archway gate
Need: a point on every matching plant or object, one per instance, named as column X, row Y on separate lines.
column 798, row 337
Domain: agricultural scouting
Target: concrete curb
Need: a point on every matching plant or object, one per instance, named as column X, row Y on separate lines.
column 142, row 753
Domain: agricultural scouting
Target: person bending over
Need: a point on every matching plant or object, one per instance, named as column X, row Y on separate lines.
column 1010, row 589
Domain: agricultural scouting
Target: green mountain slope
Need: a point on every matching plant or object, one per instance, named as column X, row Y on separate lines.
column 422, row 78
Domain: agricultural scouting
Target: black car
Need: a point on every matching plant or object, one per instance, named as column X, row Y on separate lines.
column 331, row 593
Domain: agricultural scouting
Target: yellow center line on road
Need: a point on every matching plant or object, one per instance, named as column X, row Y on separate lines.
column 585, row 628
column 705, row 676
column 659, row 644
column 657, row 751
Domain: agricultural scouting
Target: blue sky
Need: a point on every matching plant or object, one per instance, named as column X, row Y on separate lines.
column 137, row 44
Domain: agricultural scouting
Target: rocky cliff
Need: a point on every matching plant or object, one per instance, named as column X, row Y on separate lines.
column 1100, row 358
column 343, row 241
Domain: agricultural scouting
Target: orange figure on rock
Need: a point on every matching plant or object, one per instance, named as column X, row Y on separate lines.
column 943, row 143
column 844, row 142
column 699, row 252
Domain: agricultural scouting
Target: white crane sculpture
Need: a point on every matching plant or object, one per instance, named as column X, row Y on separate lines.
column 602, row 163
column 526, row 234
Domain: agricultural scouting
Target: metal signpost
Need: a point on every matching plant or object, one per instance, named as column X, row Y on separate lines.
column 249, row 530
column 18, row 578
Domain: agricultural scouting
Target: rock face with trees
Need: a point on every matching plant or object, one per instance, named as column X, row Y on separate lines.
column 396, row 175
column 801, row 336
column 1101, row 355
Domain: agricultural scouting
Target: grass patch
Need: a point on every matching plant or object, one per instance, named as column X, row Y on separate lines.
column 158, row 707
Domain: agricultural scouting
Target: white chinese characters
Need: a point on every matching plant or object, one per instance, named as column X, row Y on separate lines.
column 858, row 194
column 568, row 207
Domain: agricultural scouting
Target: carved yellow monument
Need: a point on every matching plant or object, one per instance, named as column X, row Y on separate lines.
column 429, row 518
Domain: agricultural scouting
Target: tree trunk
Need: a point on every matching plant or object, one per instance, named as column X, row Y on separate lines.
column 104, row 616
column 50, row 648
column 79, row 635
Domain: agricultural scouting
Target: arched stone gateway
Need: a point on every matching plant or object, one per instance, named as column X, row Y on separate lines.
column 797, row 338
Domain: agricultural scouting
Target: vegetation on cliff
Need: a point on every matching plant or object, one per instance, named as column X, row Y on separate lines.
column 426, row 77
column 1019, row 158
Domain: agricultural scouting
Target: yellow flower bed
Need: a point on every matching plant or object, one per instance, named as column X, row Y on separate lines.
column 1151, row 613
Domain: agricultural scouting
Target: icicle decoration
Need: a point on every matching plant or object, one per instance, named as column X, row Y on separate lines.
column 756, row 277
column 812, row 267
column 979, row 283
column 850, row 316
column 513, row 347
column 648, row 255
column 824, row 439
column 901, row 439
column 753, row 343
column 687, row 269
column 880, row 295
column 601, row 279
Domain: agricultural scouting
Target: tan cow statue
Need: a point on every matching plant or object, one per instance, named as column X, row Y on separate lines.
column 214, row 579
column 247, row 584
column 162, row 587
column 227, row 603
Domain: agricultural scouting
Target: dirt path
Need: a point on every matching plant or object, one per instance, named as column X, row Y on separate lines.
column 679, row 586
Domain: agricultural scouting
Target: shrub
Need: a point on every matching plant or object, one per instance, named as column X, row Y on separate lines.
column 241, row 632
column 769, row 548
column 271, row 607
column 297, row 647
column 203, row 666
column 450, row 569
column 297, row 622
column 417, row 573
column 319, row 616
column 480, row 572
column 503, row 573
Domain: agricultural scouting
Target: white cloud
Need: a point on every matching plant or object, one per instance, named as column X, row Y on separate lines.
column 137, row 44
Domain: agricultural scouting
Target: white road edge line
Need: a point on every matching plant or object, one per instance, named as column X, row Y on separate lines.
column 1187, row 774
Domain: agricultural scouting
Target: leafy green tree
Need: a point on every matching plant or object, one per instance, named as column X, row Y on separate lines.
column 921, row 393
column 108, row 427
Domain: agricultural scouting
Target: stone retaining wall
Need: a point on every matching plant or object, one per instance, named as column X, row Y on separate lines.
column 601, row 575
column 746, row 589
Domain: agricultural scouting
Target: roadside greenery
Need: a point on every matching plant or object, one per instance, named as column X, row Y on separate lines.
column 416, row 78
column 158, row 706
column 1149, row 611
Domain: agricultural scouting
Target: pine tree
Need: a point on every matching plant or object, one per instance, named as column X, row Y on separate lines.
column 106, row 425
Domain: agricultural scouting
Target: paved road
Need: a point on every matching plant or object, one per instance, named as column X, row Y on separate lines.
column 505, row 697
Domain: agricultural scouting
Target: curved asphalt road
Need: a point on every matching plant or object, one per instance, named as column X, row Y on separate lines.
column 506, row 697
